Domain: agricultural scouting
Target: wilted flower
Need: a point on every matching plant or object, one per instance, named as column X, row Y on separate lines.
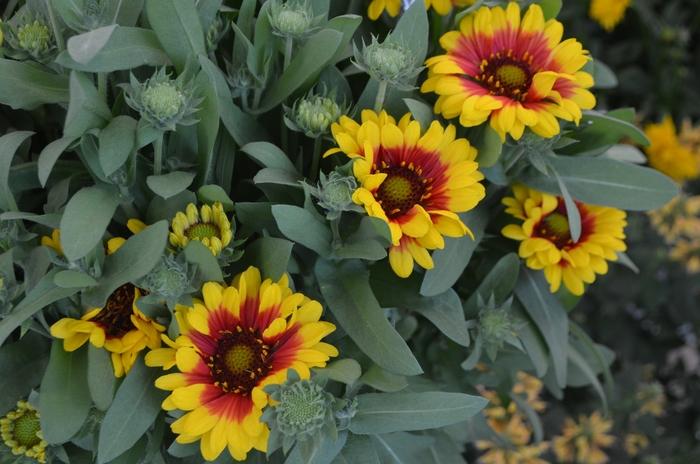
column 163, row 102
column 334, row 194
column 678, row 222
column 635, row 443
column 389, row 62
column 313, row 114
column 292, row 18
column 20, row 430
column 652, row 399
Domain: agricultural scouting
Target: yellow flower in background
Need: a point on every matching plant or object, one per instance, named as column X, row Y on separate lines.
column 209, row 225
column 546, row 243
column 118, row 327
column 678, row 222
column 393, row 7
column 667, row 154
column 515, row 72
column 507, row 420
column 652, row 399
column 53, row 241
column 415, row 181
column 608, row 13
column 234, row 343
column 134, row 225
column 635, row 443
column 20, row 430
column 583, row 442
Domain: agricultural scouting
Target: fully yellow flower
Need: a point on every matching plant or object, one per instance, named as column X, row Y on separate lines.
column 134, row 225
column 678, row 222
column 20, row 430
column 546, row 243
column 236, row 341
column 118, row 327
column 393, row 7
column 209, row 225
column 652, row 399
column 635, row 443
column 608, row 13
column 515, row 72
column 583, row 442
column 667, row 154
column 53, row 241
column 414, row 181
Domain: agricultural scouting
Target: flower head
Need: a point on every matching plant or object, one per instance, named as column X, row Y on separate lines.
column 394, row 7
column 417, row 182
column 163, row 102
column 583, row 442
column 53, row 241
column 20, row 430
column 388, row 62
column 28, row 35
column 90, row 15
column 546, row 242
column 118, row 327
column 233, row 344
column 608, row 13
column 668, row 155
column 314, row 114
column 291, row 18
column 208, row 225
column 515, row 72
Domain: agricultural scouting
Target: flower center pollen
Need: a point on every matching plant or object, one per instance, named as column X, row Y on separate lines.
column 241, row 359
column 402, row 189
column 202, row 230
column 555, row 228
column 115, row 316
column 26, row 428
column 505, row 75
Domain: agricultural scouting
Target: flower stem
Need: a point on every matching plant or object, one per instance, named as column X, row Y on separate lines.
column 11, row 5
column 381, row 95
column 158, row 155
column 316, row 160
column 102, row 85
column 56, row 29
column 288, row 49
column 337, row 239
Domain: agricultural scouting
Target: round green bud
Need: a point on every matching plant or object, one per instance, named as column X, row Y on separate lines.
column 292, row 18
column 386, row 58
column 163, row 99
column 334, row 194
column 495, row 325
column 302, row 409
column 314, row 114
column 168, row 279
column 34, row 37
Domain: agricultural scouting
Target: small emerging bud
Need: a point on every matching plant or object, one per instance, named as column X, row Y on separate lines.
column 389, row 62
column 313, row 114
column 291, row 18
column 496, row 325
column 34, row 37
column 334, row 194
column 163, row 102
column 169, row 280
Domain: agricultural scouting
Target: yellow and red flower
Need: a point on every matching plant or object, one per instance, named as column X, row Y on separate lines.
column 516, row 72
column 236, row 341
column 414, row 181
column 546, row 243
column 118, row 327
column 393, row 7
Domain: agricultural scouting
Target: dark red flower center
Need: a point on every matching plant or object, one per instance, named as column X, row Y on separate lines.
column 115, row 316
column 555, row 228
column 240, row 361
column 402, row 189
column 507, row 76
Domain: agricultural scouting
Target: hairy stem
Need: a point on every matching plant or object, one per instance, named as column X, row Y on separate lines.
column 316, row 160
column 158, row 155
column 381, row 95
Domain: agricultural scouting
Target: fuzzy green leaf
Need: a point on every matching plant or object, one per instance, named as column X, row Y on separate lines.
column 22, row 365
column 65, row 401
column 176, row 23
column 26, row 85
column 9, row 144
column 117, row 142
column 170, row 184
column 100, row 376
column 299, row 225
column 49, row 155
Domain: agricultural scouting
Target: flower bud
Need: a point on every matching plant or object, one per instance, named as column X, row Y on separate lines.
column 169, row 280
column 163, row 102
column 496, row 325
column 389, row 62
column 313, row 114
column 291, row 18
column 334, row 194
column 302, row 409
